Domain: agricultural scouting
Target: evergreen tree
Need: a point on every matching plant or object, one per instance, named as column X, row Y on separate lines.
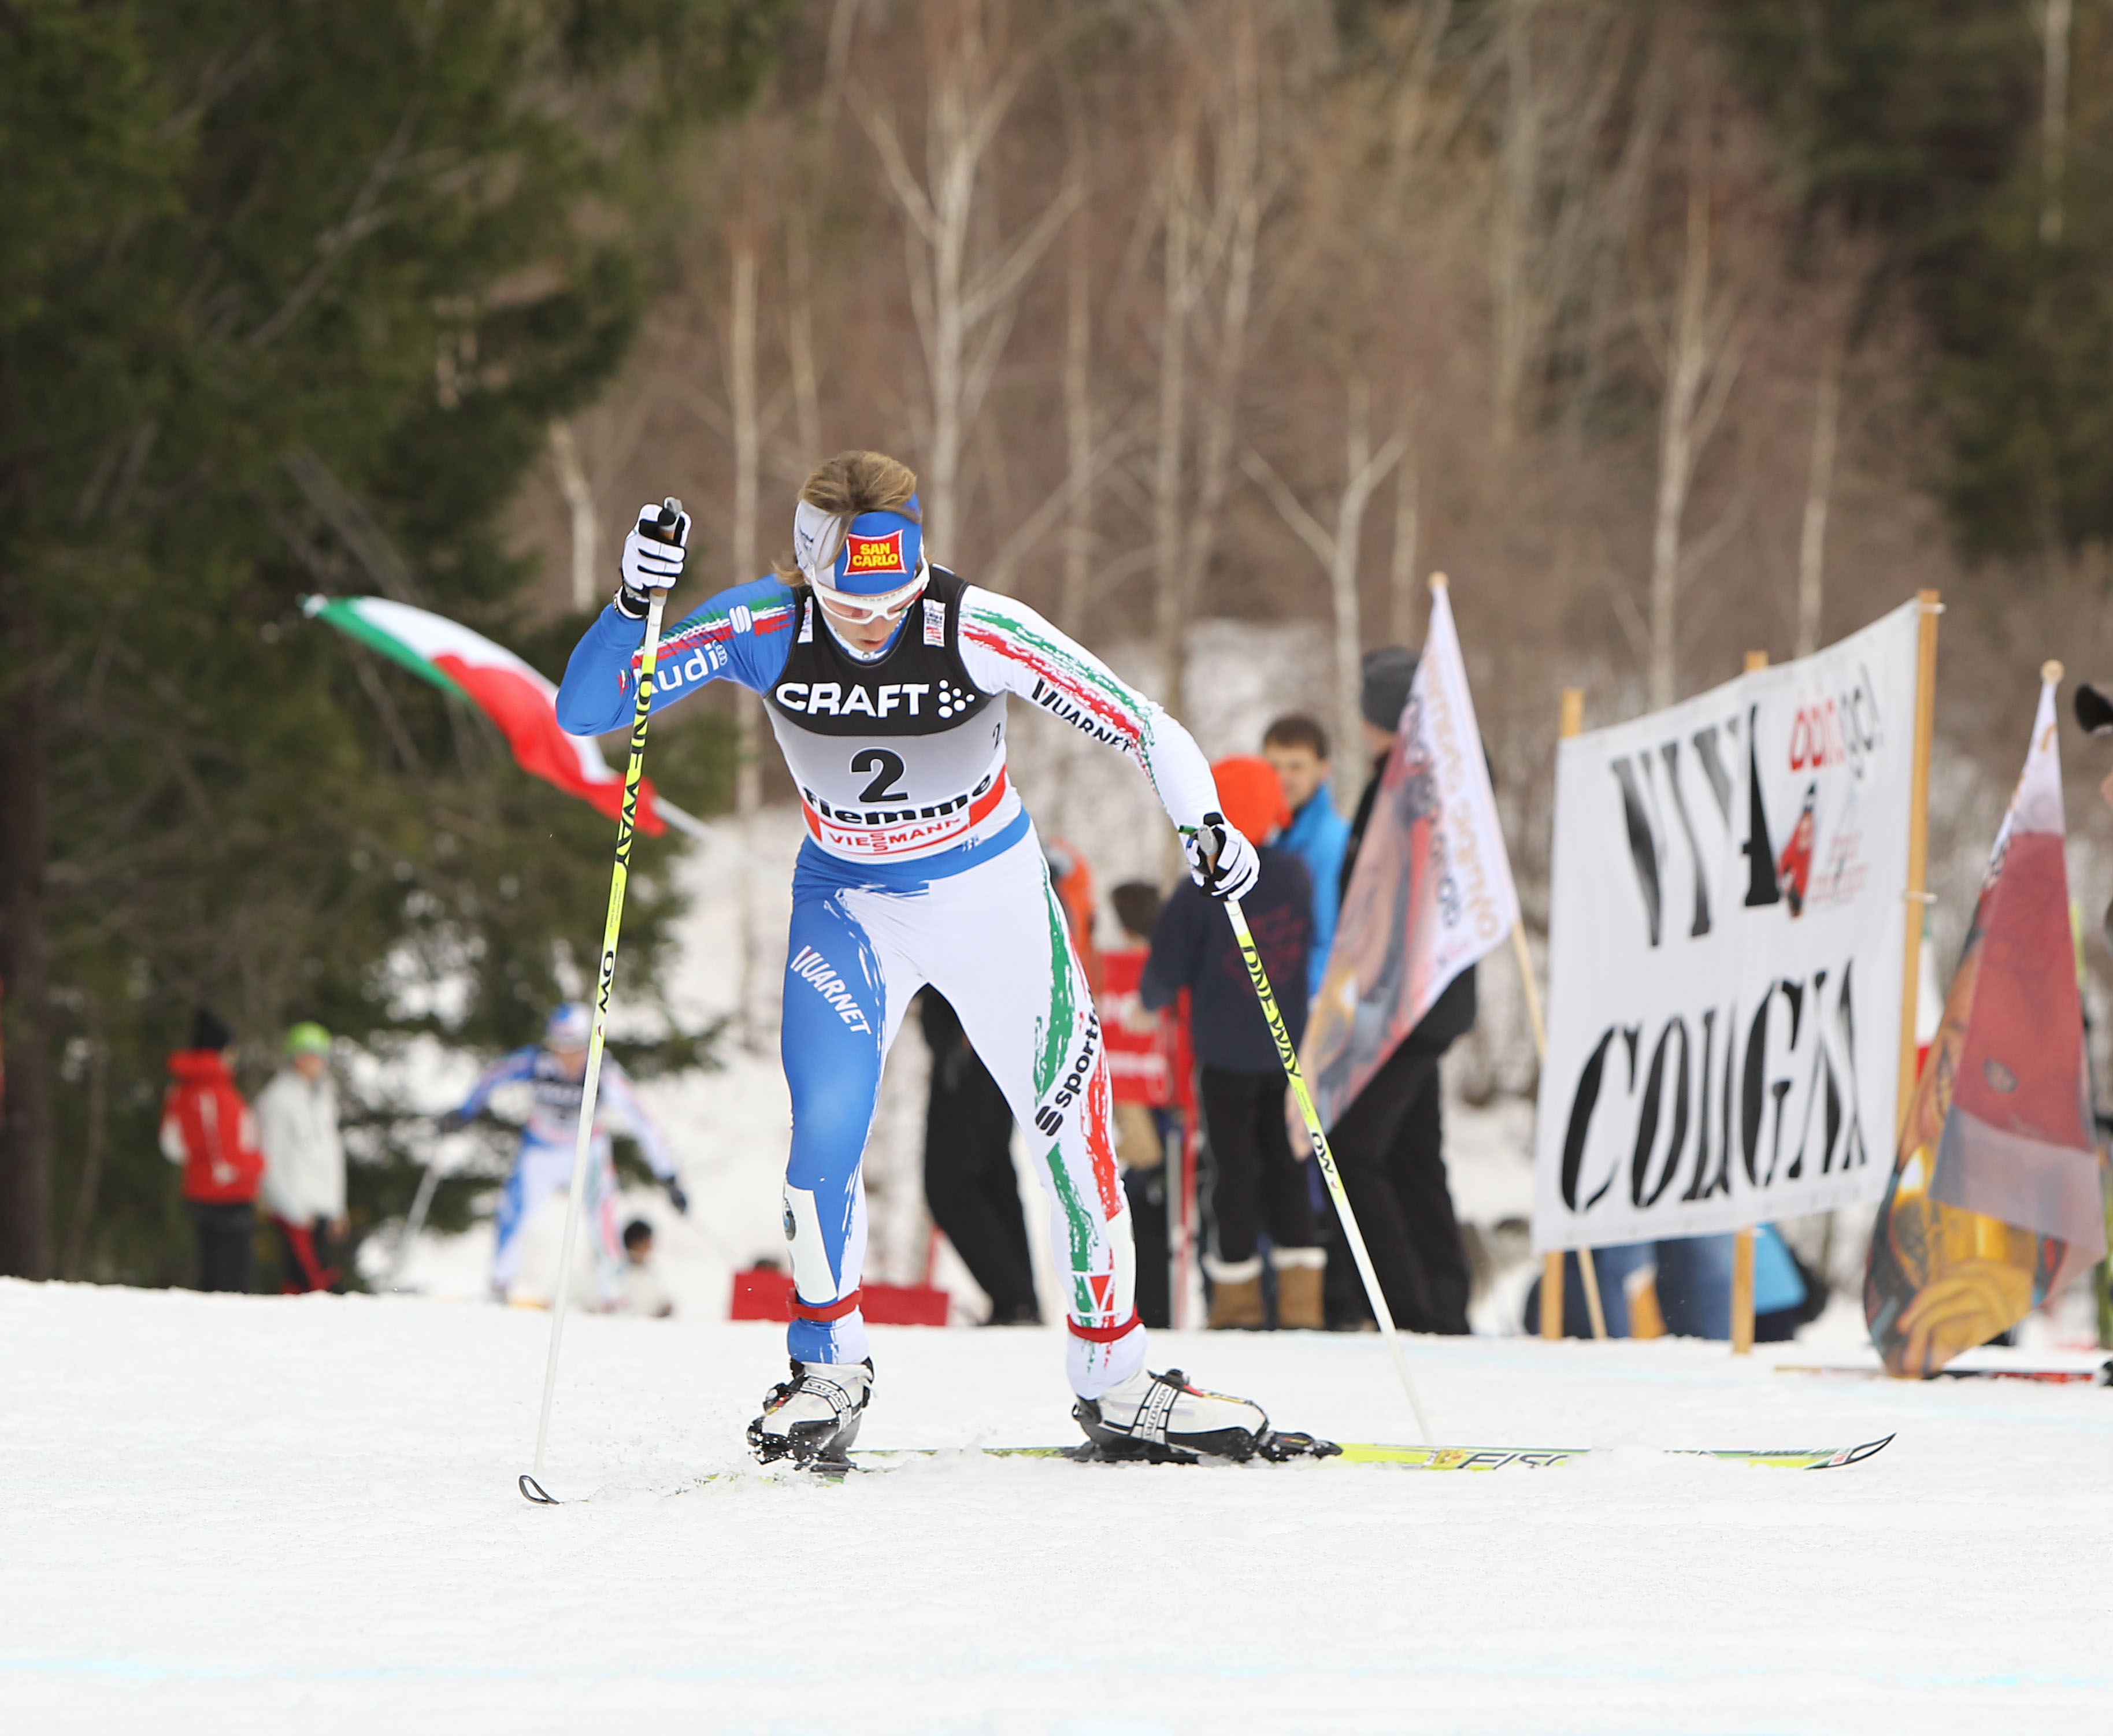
column 1925, row 122
column 289, row 290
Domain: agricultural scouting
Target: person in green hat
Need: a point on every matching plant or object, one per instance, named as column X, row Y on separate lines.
column 303, row 1187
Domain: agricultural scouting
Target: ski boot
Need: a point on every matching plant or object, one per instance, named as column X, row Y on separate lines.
column 813, row 1418
column 1161, row 1418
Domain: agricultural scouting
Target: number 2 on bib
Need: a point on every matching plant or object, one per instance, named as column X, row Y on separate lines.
column 885, row 768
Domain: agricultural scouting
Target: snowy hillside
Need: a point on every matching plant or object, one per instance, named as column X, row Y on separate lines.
column 225, row 1515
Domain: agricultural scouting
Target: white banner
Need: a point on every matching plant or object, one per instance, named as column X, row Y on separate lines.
column 1726, row 926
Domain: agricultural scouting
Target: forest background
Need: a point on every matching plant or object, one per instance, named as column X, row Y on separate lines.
column 1671, row 329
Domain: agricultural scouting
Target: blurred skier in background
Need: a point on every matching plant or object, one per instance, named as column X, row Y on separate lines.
column 304, row 1190
column 555, row 1071
column 886, row 679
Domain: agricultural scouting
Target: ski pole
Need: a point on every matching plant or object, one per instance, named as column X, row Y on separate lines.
column 671, row 516
column 1289, row 1055
column 414, row 1220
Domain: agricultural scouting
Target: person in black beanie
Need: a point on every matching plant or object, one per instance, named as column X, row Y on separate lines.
column 1390, row 1142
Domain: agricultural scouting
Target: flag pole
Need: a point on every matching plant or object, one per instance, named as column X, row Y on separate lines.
column 1551, row 1263
column 531, row 1482
column 1918, row 897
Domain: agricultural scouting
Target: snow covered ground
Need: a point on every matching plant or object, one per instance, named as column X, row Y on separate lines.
column 224, row 1514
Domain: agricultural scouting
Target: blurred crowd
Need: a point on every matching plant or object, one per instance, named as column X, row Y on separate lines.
column 1204, row 1127
column 285, row 1154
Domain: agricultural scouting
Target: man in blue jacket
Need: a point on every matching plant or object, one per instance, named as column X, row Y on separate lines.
column 1297, row 747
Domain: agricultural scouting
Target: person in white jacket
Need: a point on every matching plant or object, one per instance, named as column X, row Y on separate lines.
column 304, row 1188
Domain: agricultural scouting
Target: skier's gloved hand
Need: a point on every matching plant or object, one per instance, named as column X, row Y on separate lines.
column 650, row 563
column 1221, row 860
column 677, row 1198
column 453, row 1122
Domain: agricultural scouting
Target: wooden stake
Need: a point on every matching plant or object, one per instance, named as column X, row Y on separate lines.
column 1918, row 846
column 1742, row 1240
column 1742, row 1292
column 1525, row 957
column 1551, row 1265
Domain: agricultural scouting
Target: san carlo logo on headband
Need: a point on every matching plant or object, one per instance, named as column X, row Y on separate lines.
column 874, row 553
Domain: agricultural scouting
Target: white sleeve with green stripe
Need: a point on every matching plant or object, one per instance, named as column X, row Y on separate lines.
column 1008, row 648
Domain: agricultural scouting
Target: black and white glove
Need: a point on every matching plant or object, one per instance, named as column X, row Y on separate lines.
column 1221, row 860
column 652, row 561
column 677, row 1198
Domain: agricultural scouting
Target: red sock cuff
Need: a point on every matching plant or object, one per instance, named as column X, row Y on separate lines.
column 835, row 1310
column 1104, row 1334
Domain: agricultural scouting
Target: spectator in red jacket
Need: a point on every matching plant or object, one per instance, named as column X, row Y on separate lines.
column 207, row 1128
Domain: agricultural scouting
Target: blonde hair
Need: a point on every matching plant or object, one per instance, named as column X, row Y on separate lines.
column 852, row 483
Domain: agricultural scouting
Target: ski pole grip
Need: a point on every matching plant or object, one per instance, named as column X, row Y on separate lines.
column 662, row 530
column 1212, row 833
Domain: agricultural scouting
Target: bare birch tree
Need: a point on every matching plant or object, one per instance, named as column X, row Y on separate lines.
column 1818, row 490
column 963, row 290
column 579, row 507
column 1565, row 192
column 2055, row 19
column 1337, row 548
column 1699, row 358
column 1211, row 235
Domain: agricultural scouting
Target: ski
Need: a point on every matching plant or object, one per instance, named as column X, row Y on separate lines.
column 868, row 1462
column 1405, row 1458
column 2100, row 1376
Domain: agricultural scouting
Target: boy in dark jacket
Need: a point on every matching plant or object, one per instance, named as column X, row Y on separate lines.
column 207, row 1128
column 1255, row 1176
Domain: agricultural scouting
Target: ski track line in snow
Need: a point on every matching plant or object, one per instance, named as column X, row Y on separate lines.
column 225, row 1515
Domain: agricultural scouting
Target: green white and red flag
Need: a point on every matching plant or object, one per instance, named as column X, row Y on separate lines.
column 518, row 700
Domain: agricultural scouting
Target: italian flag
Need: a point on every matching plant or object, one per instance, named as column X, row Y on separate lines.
column 520, row 701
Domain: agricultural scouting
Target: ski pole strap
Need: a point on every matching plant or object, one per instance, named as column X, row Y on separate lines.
column 835, row 1310
column 1104, row 1334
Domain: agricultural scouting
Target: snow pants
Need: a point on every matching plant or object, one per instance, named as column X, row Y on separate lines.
column 991, row 938
column 226, row 1245
column 539, row 1170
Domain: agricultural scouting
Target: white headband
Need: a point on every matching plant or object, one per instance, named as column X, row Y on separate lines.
column 817, row 538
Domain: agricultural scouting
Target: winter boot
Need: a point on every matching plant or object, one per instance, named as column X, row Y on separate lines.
column 813, row 1418
column 1298, row 1271
column 1235, row 1292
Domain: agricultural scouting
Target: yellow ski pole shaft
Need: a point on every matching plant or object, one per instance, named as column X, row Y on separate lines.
column 530, row 1484
column 1289, row 1056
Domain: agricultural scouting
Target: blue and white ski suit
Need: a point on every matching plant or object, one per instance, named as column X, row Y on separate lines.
column 543, row 1162
column 920, row 865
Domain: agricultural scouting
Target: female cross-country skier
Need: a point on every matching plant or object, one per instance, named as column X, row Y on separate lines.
column 886, row 679
column 555, row 1071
